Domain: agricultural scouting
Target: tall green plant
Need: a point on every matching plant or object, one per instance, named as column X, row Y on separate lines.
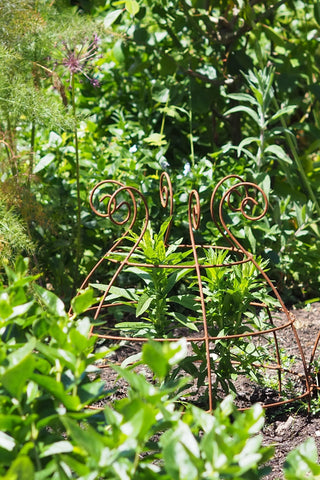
column 262, row 100
column 77, row 60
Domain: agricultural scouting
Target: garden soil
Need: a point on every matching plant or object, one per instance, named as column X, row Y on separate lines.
column 286, row 426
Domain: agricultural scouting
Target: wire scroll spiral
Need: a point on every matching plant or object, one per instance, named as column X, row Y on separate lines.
column 113, row 203
column 239, row 198
column 132, row 211
column 166, row 198
column 112, row 207
column 194, row 210
column 245, row 201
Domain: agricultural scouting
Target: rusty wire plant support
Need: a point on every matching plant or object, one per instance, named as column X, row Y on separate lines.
column 123, row 207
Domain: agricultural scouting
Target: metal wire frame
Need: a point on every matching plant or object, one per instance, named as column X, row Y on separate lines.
column 239, row 198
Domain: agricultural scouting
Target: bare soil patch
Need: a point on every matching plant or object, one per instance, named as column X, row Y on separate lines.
column 287, row 427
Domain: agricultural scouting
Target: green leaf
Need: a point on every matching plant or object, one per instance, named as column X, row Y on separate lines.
column 71, row 402
column 145, row 276
column 302, row 461
column 9, row 422
column 7, row 442
column 266, row 185
column 134, row 326
column 21, row 266
column 111, row 17
column 44, row 162
column 174, row 278
column 160, row 357
column 5, row 307
column 58, row 447
column 21, row 365
column 138, row 383
column 21, row 469
column 143, row 304
column 243, row 97
column 66, row 358
column 249, row 111
column 138, row 420
column 258, row 95
column 88, row 438
column 15, row 378
column 156, row 139
column 187, row 301
column 83, row 301
column 272, row 35
column 161, row 96
column 251, row 238
column 51, row 301
column 116, row 292
column 20, row 310
column 83, row 327
column 278, row 152
column 132, row 7
column 181, row 453
column 79, row 341
column 152, row 355
column 91, row 392
column 283, row 111
column 245, row 142
column 184, row 321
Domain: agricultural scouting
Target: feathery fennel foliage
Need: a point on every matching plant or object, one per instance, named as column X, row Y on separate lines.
column 13, row 237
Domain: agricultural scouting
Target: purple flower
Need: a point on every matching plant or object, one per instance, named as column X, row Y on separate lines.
column 95, row 82
column 78, row 59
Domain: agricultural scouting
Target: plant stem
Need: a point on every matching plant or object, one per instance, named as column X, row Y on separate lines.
column 32, row 150
column 78, row 221
column 190, row 126
column 12, row 148
column 261, row 145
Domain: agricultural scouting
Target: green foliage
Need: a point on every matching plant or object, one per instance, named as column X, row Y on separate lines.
column 268, row 133
column 231, row 296
column 13, row 236
column 166, row 300
column 47, row 374
column 49, row 379
column 41, row 42
column 208, row 107
column 243, row 100
column 302, row 462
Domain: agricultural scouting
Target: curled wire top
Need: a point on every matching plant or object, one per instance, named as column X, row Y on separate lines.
column 166, row 194
column 245, row 201
column 194, row 209
column 241, row 197
column 117, row 208
column 166, row 197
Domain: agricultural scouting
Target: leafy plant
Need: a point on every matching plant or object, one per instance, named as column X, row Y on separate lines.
column 302, row 462
column 170, row 302
column 158, row 302
column 268, row 148
column 49, row 379
column 47, row 374
column 14, row 238
column 232, row 296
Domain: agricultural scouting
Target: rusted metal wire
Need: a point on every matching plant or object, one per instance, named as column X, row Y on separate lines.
column 127, row 204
